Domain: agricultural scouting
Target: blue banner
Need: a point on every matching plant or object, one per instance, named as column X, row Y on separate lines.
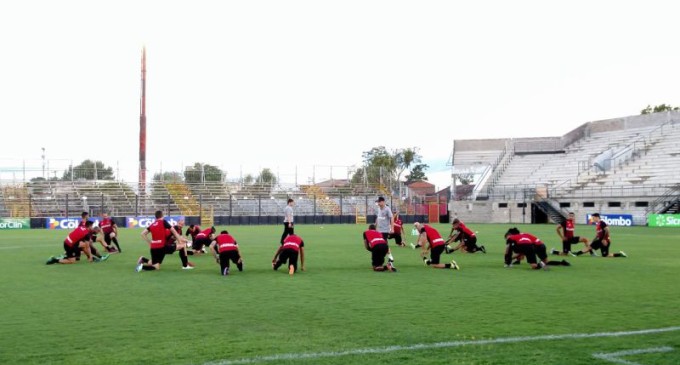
column 144, row 222
column 624, row 220
column 65, row 223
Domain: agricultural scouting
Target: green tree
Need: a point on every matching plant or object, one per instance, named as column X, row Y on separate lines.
column 88, row 170
column 417, row 173
column 169, row 176
column 381, row 167
column 267, row 177
column 465, row 179
column 404, row 159
column 201, row 172
column 658, row 108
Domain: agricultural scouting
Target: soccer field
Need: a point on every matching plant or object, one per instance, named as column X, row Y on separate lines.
column 598, row 311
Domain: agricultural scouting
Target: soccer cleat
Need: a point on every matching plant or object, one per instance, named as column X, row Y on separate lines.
column 554, row 251
column 225, row 272
column 412, row 246
column 623, row 254
column 187, row 267
column 96, row 259
column 572, row 254
column 454, row 265
column 390, row 266
column 482, row 248
column 593, row 254
column 52, row 260
column 138, row 268
column 104, row 258
column 425, row 261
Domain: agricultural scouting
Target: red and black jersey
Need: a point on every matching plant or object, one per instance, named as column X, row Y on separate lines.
column 225, row 242
column 292, row 242
column 158, row 232
column 374, row 237
column 600, row 232
column 107, row 225
column 397, row 225
column 203, row 234
column 465, row 231
column 568, row 229
column 193, row 232
column 524, row 239
column 169, row 237
column 433, row 236
column 82, row 223
column 79, row 234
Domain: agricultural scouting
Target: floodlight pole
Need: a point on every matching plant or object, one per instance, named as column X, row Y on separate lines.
column 142, row 129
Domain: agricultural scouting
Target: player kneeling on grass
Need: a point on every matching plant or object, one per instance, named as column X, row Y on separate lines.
column 430, row 240
column 225, row 249
column 292, row 247
column 528, row 246
column 157, row 244
column 602, row 240
column 110, row 230
column 376, row 244
column 75, row 241
column 201, row 241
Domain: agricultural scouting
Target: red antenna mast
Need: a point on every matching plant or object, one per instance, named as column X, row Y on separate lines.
column 142, row 129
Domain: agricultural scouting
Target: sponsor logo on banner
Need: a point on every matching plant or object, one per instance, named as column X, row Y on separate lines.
column 145, row 222
column 663, row 220
column 624, row 220
column 15, row 223
column 65, row 223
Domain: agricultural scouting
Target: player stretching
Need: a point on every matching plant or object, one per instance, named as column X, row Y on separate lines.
column 289, row 251
column 566, row 233
column 467, row 238
column 430, row 240
column 225, row 249
column 602, row 240
column 110, row 230
column 376, row 244
column 157, row 243
column 75, row 241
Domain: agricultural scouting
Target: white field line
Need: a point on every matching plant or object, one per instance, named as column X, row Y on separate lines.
column 424, row 346
column 614, row 356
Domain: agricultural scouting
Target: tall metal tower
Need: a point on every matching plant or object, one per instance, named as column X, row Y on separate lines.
column 142, row 129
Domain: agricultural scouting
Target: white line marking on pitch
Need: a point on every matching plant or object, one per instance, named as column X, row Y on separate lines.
column 27, row 246
column 614, row 356
column 424, row 346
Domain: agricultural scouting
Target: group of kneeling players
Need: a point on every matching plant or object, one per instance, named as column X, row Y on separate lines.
column 164, row 239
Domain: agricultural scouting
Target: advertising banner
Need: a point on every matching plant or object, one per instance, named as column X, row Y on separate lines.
column 65, row 223
column 624, row 220
column 144, row 222
column 663, row 220
column 15, row 223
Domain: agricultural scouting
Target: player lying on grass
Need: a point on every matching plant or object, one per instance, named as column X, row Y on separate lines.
column 225, row 249
column 431, row 241
column 292, row 247
column 75, row 241
column 377, row 246
column 602, row 240
column 527, row 246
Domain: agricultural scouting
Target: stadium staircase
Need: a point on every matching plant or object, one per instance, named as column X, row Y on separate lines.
column 17, row 201
column 667, row 203
column 185, row 200
column 498, row 168
column 547, row 207
column 328, row 206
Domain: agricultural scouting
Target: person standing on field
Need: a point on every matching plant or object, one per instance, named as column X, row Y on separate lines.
column 384, row 223
column 288, row 227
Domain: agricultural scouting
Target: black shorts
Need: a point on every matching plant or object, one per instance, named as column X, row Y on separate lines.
column 378, row 253
column 157, row 255
column 227, row 256
column 436, row 253
column 71, row 251
column 470, row 244
column 170, row 248
column 566, row 244
column 397, row 238
column 541, row 251
column 107, row 238
column 288, row 255
column 597, row 244
column 198, row 244
column 527, row 251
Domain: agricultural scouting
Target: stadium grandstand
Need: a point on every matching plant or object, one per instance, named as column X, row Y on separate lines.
column 626, row 167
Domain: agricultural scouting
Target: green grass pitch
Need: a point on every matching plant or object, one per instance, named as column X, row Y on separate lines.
column 339, row 311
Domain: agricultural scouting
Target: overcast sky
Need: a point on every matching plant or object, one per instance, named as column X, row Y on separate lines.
column 246, row 85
